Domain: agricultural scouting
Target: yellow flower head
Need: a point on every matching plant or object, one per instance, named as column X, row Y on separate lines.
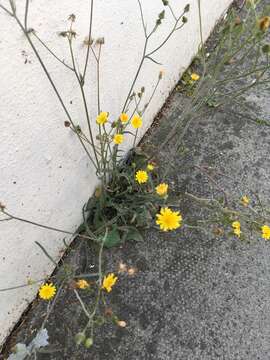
column 236, row 228
column 195, row 77
column 266, row 232
column 141, row 176
column 108, row 282
column 245, row 200
column 150, row 167
column 162, row 189
column 102, row 118
column 124, row 117
column 47, row 291
column 82, row 284
column 136, row 121
column 118, row 139
column 168, row 219
column 264, row 23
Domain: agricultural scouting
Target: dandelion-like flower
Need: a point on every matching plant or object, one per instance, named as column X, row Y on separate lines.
column 236, row 228
column 266, row 232
column 141, row 176
column 82, row 284
column 150, row 167
column 245, row 200
column 109, row 281
column 118, row 139
column 162, row 189
column 195, row 77
column 102, row 118
column 136, row 121
column 168, row 219
column 47, row 291
column 124, row 117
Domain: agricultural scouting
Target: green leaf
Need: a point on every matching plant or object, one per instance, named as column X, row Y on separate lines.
column 132, row 233
column 113, row 238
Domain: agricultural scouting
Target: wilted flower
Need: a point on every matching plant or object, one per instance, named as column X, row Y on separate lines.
column 264, row 23
column 108, row 282
column 82, row 284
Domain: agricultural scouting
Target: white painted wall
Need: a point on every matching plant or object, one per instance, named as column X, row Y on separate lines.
column 44, row 174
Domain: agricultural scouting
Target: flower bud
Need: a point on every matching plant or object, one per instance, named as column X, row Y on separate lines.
column 158, row 22
column 100, row 41
column 161, row 16
column 184, row 20
column 67, row 124
column 187, row 8
column 79, row 338
column 266, row 48
column 165, row 2
column 88, row 343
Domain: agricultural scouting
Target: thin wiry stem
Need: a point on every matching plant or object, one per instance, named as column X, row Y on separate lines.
column 142, row 19
column 26, row 14
column 169, row 35
column 51, row 52
column 6, row 10
column 96, row 164
column 48, row 76
column 13, row 217
column 89, row 40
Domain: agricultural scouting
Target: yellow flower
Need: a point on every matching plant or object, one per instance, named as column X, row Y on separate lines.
column 102, row 118
column 136, row 122
column 118, row 139
column 162, row 189
column 150, row 167
column 264, row 23
column 108, row 282
column 141, row 176
column 47, row 291
column 236, row 228
column 168, row 219
column 195, row 77
column 245, row 200
column 266, row 232
column 82, row 284
column 124, row 117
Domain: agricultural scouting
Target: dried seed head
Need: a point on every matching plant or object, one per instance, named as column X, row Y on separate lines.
column 121, row 323
column 100, row 41
column 2, row 206
column 67, row 124
column 88, row 41
column 122, row 267
column 72, row 17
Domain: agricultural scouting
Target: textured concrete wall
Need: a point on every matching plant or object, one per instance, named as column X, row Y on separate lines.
column 44, row 174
